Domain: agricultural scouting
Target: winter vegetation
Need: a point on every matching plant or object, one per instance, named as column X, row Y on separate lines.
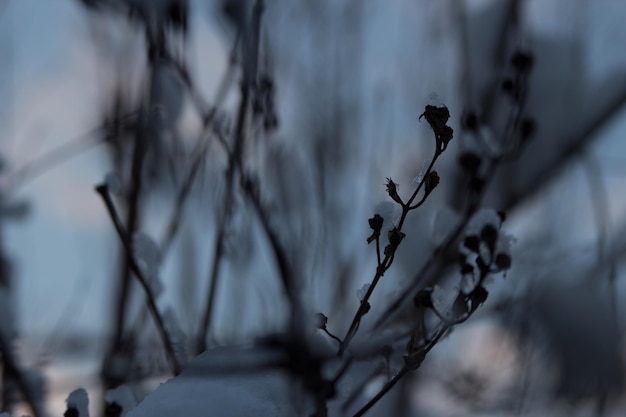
column 312, row 208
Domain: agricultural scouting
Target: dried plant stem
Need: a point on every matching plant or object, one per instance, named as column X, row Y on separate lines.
column 216, row 259
column 435, row 264
column 443, row 330
column 201, row 147
column 576, row 146
column 383, row 266
column 103, row 191
column 388, row 386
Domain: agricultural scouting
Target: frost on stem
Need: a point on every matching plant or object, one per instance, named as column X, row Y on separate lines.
column 422, row 172
column 443, row 300
column 360, row 293
column 390, row 212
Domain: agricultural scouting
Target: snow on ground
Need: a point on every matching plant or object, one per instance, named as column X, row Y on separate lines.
column 192, row 394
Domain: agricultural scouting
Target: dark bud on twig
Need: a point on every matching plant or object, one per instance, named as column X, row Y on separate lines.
column 478, row 296
column 503, row 261
column 113, row 409
column 489, row 235
column 177, row 16
column 431, row 182
column 472, row 242
column 395, row 236
column 527, row 128
column 71, row 412
column 459, row 307
column 444, row 137
column 437, row 117
column 392, row 190
column 522, row 61
column 376, row 224
column 320, row 321
column 467, row 269
column 480, row 263
column 423, row 298
column 508, row 86
column 469, row 121
column 470, row 162
column 366, row 307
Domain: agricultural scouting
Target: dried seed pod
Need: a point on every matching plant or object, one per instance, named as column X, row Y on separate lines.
column 430, row 182
column 392, row 190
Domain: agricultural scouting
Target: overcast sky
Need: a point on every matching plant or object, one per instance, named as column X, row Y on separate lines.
column 51, row 80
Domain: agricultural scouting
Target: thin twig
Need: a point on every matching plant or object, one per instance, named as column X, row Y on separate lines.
column 199, row 151
column 233, row 163
column 388, row 386
column 332, row 336
column 576, row 145
column 132, row 221
column 280, row 256
column 103, row 191
column 443, row 330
